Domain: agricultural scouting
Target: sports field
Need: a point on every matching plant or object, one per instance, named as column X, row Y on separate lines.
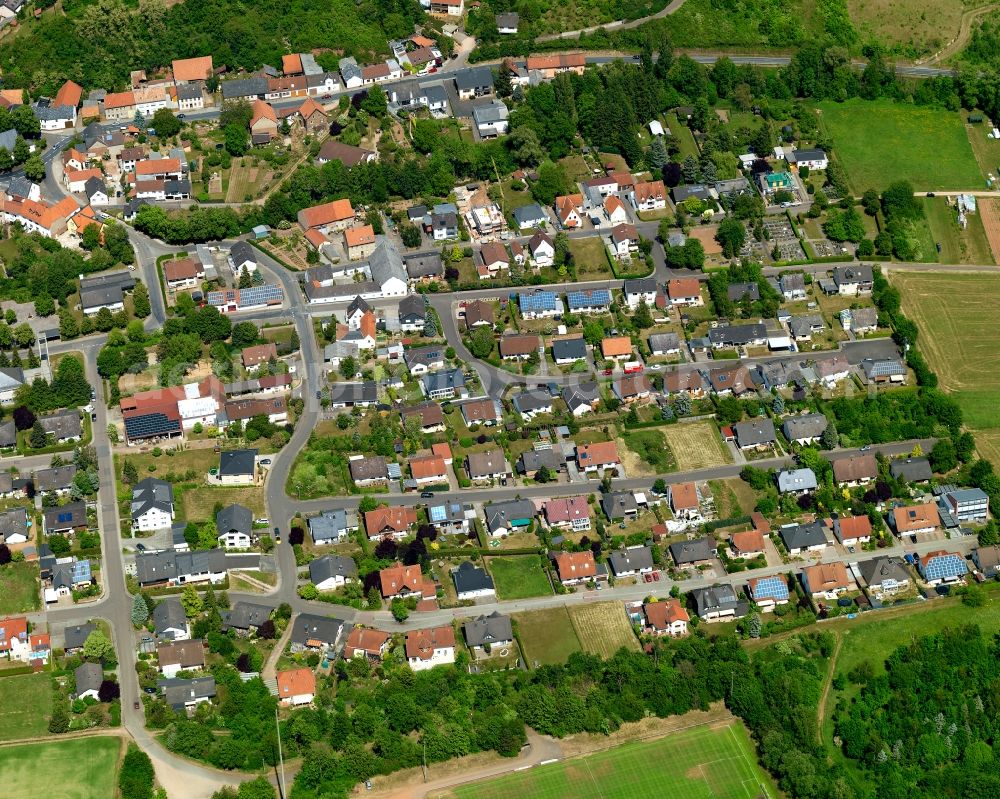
column 25, row 706
column 603, row 628
column 716, row 762
column 926, row 146
column 959, row 323
column 84, row 768
column 696, row 445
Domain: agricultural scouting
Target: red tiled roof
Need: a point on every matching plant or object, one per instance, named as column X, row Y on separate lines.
column 296, row 682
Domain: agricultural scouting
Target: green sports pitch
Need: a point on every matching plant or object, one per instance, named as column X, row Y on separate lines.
column 714, row 762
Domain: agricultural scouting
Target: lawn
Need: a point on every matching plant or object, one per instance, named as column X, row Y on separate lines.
column 20, row 588
column 603, row 628
column 959, row 325
column 25, row 706
column 958, row 246
column 84, row 768
column 576, row 168
column 589, row 255
column 685, row 139
column 707, row 762
column 199, row 503
column 697, row 445
column 547, row 636
column 926, row 146
column 519, row 577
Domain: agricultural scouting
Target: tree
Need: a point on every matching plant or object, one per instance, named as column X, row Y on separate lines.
column 109, row 691
column 643, row 317
column 165, row 123
column 552, row 182
column 657, row 156
column 24, row 419
column 410, row 235
column 829, row 439
column 98, row 647
column 375, row 103
column 943, row 457
column 481, row 342
column 258, row 788
column 129, row 473
column 59, row 544
column 732, row 236
column 140, row 300
column 543, row 475
column 140, row 613
column 135, row 779
column 267, row 630
column 525, row 147
column 237, row 139
column 191, row 601
column 348, row 367
column 728, row 410
column 34, row 169
column 5, row 556
column 59, row 721
column 399, row 610
column 38, row 437
column 245, row 334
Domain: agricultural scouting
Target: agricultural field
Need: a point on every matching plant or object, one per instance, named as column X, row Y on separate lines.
column 958, row 245
column 519, row 577
column 25, row 707
column 708, row 762
column 696, row 445
column 20, row 589
column 547, row 636
column 603, row 628
column 959, row 326
column 989, row 216
column 247, row 181
column 926, row 146
column 84, row 768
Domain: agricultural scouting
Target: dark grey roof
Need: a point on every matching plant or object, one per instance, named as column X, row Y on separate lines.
column 876, row 570
column 237, row 462
column 64, row 517
column 641, row 285
column 89, row 677
column 241, row 252
column 329, row 566
column 55, row 479
column 13, row 522
column 852, row 274
column 803, row 536
column 63, row 424
column 565, row 348
column 912, row 470
column 738, row 291
column 357, row 304
column 100, row 296
column 178, row 692
column 583, row 394
column 631, row 559
column 386, row 263
column 534, row 459
column 234, row 518
column 246, row 615
column 810, row 425
column 488, row 630
column 449, row 378
column 354, row 392
column 74, row 637
column 532, row 401
column 413, row 306
column 152, row 493
column 507, row 19
column 426, row 265
column 169, row 614
column 757, row 431
column 737, row 335
column 94, row 185
column 188, row 91
column 692, row 551
column 474, row 78
column 469, row 577
column 8, row 139
column 618, row 505
column 715, row 598
column 244, row 87
column 498, row 514
column 308, row 627
column 155, row 567
column 424, row 356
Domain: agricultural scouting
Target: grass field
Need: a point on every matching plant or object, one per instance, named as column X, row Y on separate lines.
column 733, row 497
column 25, row 706
column 84, row 768
column 917, row 25
column 926, row 146
column 652, row 454
column 603, row 628
column 958, row 246
column 959, row 324
column 711, row 762
column 589, row 256
column 20, row 588
column 519, row 577
column 547, row 636
column 696, row 445
column 198, row 503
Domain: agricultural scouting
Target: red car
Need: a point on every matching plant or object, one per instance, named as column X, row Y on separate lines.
column 656, row 576
column 609, row 372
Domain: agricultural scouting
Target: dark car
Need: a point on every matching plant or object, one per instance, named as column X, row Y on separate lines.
column 140, row 547
column 135, row 704
column 427, row 495
column 93, row 417
column 277, row 533
column 182, row 116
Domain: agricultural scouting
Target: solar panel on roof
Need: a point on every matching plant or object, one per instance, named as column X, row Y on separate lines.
column 152, row 424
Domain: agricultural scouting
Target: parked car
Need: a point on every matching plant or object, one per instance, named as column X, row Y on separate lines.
column 656, row 577
column 427, row 495
column 140, row 547
column 135, row 704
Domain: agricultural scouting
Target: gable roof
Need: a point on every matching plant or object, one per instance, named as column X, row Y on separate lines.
column 237, row 462
column 316, row 631
column 330, row 566
column 855, row 467
column 234, row 518
column 169, row 615
column 190, row 69
column 469, row 577
column 296, row 682
column 576, row 565
column 488, row 629
column 661, row 615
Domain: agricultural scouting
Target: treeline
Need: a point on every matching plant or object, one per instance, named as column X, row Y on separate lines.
column 69, row 389
column 97, row 43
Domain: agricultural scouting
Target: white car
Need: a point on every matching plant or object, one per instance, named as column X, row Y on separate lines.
column 262, row 521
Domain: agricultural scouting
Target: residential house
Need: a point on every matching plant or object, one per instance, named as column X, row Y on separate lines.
column 185, row 695
column 14, row 526
column 942, row 568
column 532, row 461
column 718, row 603
column 617, row 347
column 245, row 618
column 796, row 481
column 472, row 582
column 412, row 313
column 793, row 286
column 619, row 505
column 296, row 687
column 575, row 567
column 813, row 158
column 624, row 238
column 88, row 677
column 486, row 633
column 448, row 384
column 74, row 637
column 366, row 642
column 238, row 467
column 152, row 505
column 421, row 360
column 551, row 65
column 519, row 347
column 664, row 344
column 640, row 290
column 428, row 469
column 853, row 280
column 885, row 576
column 749, row 544
column 987, row 560
column 590, row 301
column 805, row 429
column 736, row 336
column 852, row 530
column 826, row 580
column 532, row 403
column 473, row 82
column 685, row 503
column 330, row 572
column 368, row 471
column 768, row 592
column 967, row 504
column 530, row 216
column 598, row 456
column 504, row 518
column 569, row 512
column 329, row 217
column 451, row 518
column 569, row 210
column 332, row 526
column 914, row 519
column 429, row 416
column 63, row 426
column 569, row 350
column 582, row 399
column 389, row 523
column 65, row 519
column 432, row 647
column 648, row 196
column 539, row 304
column 632, row 389
column 800, row 539
column 315, row 633
column 631, row 561
column 542, row 250
column 349, row 155
column 738, row 292
column 755, row 434
column 911, row 470
column 698, row 552
column 170, row 621
column 175, row 656
column 360, row 242
column 481, row 412
column 691, row 383
column 58, row 479
column 234, row 524
column 855, row 470
column 685, row 291
column 492, row 119
column 666, row 617
column 182, row 273
column 170, row 567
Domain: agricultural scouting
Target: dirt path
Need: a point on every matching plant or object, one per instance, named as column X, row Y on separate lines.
column 617, row 25
column 271, row 667
column 821, row 710
column 964, row 34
